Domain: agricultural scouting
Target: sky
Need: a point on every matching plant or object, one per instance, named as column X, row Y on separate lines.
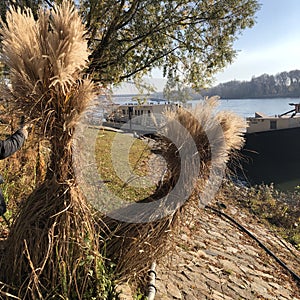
column 271, row 46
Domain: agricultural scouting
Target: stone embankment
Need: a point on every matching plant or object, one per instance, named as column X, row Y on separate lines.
column 213, row 259
column 216, row 260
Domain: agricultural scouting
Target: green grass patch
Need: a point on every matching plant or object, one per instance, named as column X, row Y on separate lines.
column 123, row 165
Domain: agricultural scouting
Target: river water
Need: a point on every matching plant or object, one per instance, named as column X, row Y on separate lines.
column 248, row 107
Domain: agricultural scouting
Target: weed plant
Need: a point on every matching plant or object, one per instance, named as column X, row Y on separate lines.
column 280, row 210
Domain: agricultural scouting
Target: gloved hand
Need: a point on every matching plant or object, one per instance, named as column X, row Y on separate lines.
column 25, row 129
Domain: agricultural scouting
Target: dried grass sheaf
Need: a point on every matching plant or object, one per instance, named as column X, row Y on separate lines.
column 208, row 139
column 53, row 246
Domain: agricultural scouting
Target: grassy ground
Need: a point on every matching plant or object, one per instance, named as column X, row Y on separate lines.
column 125, row 173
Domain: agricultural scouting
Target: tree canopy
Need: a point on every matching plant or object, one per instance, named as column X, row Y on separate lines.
column 188, row 40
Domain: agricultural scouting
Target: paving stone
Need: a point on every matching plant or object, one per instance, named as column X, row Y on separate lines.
column 215, row 270
column 190, row 297
column 212, row 260
column 230, row 266
column 261, row 290
column 285, row 293
column 210, row 252
column 252, row 252
column 179, row 277
column 173, row 290
column 212, row 277
column 238, row 281
column 275, row 285
column 161, row 287
column 215, row 234
column 240, row 292
column 201, row 254
column 232, row 249
column 199, row 245
column 262, row 274
column 188, row 275
column 203, row 294
column 219, row 296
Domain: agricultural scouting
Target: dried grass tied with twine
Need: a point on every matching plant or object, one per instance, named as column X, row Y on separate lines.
column 53, row 246
column 196, row 145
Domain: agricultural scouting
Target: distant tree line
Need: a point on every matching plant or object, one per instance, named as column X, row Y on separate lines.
column 281, row 85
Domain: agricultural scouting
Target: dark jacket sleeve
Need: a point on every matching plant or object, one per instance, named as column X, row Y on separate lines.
column 11, row 144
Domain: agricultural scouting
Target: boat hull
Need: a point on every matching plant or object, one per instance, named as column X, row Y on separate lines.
column 271, row 156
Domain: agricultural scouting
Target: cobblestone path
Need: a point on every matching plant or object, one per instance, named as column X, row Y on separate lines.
column 215, row 260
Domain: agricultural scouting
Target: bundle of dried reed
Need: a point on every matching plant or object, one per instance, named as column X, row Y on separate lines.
column 196, row 145
column 53, row 245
